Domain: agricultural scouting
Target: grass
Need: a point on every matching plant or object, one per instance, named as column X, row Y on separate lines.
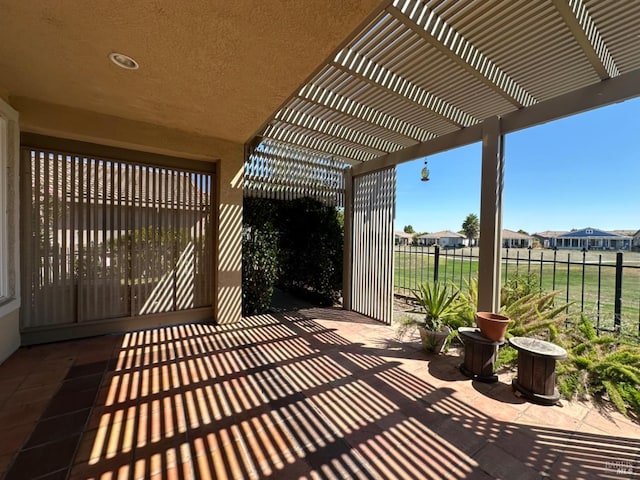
column 595, row 296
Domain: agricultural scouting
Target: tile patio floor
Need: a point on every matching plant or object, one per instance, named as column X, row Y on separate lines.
column 317, row 393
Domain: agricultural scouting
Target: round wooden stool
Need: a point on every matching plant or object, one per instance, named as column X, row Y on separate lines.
column 536, row 378
column 479, row 355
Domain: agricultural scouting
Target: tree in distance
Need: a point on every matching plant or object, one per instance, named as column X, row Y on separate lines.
column 471, row 227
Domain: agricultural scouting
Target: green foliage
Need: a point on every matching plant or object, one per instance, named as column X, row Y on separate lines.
column 298, row 243
column 468, row 302
column 519, row 285
column 442, row 308
column 438, row 302
column 534, row 315
column 606, row 366
column 471, row 226
column 259, row 256
column 438, row 305
column 409, row 229
column 259, row 269
column 311, row 245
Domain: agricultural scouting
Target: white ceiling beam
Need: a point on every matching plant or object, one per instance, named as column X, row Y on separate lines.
column 346, row 106
column 388, row 82
column 586, row 33
column 606, row 92
column 449, row 42
column 360, row 140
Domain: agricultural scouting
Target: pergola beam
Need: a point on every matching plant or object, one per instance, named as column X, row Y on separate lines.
column 451, row 44
column 606, row 92
column 587, row 35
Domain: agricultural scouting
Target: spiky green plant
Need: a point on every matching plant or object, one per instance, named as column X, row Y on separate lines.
column 534, row 314
column 440, row 308
column 606, row 365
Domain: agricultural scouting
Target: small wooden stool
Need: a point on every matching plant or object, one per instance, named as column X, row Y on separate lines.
column 536, row 378
column 479, row 355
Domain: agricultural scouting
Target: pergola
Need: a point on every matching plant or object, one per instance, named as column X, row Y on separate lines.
column 319, row 98
column 421, row 77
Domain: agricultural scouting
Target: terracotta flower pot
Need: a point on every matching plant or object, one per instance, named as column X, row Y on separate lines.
column 492, row 325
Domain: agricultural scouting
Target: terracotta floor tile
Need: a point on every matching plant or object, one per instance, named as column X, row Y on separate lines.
column 267, row 398
column 34, row 394
column 40, row 378
column 79, row 384
column 81, row 370
column 45, row 459
column 612, row 423
column 8, row 386
column 12, row 439
column 499, row 464
column 12, row 415
column 67, row 402
column 5, row 462
column 57, row 428
column 59, row 475
column 537, row 415
column 113, row 469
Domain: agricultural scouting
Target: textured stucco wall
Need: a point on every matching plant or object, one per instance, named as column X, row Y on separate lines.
column 229, row 295
column 214, row 67
column 63, row 122
column 9, row 334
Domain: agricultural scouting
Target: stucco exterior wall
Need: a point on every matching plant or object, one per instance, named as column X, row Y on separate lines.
column 9, row 334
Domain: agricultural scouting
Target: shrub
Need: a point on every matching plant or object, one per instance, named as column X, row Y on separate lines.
column 311, row 245
column 535, row 315
column 259, row 256
column 517, row 286
column 600, row 366
column 296, row 244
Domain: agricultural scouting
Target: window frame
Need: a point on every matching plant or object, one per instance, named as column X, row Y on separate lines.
column 9, row 210
column 4, row 202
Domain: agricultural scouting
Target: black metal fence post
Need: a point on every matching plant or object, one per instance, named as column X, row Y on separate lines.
column 617, row 312
column 436, row 263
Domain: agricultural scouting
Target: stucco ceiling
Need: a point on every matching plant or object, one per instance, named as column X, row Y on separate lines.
column 211, row 67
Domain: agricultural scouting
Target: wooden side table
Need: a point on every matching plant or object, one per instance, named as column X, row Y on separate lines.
column 536, row 378
column 479, row 355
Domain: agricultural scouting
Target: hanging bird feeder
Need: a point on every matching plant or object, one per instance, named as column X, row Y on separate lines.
column 425, row 173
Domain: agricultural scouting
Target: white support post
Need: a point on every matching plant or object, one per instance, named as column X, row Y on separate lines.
column 490, row 216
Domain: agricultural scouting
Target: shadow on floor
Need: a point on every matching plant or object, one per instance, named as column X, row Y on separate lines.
column 281, row 396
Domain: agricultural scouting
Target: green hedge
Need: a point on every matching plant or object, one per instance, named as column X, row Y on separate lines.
column 296, row 245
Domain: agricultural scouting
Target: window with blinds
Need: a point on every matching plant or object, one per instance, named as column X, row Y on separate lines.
column 107, row 239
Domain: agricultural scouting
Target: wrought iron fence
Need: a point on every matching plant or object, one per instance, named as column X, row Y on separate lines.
column 603, row 285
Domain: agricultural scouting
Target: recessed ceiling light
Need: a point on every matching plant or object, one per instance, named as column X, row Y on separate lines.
column 124, row 61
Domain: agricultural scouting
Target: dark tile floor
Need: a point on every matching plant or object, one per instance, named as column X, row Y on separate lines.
column 318, row 393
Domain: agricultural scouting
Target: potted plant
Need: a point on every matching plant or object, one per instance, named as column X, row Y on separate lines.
column 439, row 310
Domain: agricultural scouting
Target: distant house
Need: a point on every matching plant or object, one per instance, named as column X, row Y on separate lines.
column 594, row 239
column 445, row 238
column 511, row 239
column 548, row 238
column 402, row 238
column 635, row 241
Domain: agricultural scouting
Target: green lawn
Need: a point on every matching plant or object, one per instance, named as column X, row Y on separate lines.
column 416, row 265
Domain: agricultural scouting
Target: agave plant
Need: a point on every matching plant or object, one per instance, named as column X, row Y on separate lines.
column 437, row 304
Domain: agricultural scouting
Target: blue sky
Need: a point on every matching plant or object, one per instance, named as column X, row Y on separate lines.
column 580, row 171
